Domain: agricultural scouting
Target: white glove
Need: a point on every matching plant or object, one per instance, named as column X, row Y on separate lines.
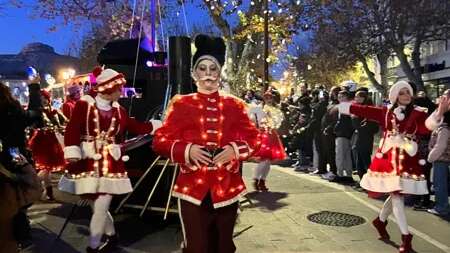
column 114, row 151
column 156, row 124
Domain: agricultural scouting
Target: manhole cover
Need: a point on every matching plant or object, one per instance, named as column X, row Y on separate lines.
column 336, row 219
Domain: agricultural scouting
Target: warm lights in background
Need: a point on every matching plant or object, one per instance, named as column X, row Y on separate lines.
column 68, row 73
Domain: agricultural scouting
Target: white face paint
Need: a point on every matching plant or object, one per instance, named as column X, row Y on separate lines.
column 206, row 76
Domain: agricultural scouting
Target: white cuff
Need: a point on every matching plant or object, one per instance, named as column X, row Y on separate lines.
column 155, row 124
column 235, row 148
column 186, row 153
column 344, row 108
column 72, row 152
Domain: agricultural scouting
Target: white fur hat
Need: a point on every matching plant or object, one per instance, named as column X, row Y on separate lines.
column 395, row 89
column 108, row 80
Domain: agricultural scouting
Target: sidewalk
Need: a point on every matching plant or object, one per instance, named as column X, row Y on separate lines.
column 276, row 222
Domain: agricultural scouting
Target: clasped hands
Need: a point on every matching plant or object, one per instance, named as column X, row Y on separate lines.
column 199, row 156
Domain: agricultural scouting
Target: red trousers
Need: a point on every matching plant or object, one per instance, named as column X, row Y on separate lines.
column 208, row 230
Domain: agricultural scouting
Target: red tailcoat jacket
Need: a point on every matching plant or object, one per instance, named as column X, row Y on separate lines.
column 213, row 121
column 93, row 136
column 396, row 166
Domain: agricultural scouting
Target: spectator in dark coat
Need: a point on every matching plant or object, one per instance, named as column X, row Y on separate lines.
column 363, row 136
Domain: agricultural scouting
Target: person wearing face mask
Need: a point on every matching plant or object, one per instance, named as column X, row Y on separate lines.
column 96, row 168
column 208, row 134
column 396, row 168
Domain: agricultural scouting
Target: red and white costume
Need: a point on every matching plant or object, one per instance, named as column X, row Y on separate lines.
column 269, row 119
column 396, row 166
column 212, row 121
column 44, row 144
column 93, row 135
column 92, row 139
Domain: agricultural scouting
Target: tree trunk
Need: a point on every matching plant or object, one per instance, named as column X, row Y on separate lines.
column 406, row 67
column 383, row 60
column 371, row 76
column 416, row 63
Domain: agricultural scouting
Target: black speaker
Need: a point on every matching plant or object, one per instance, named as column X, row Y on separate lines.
column 180, row 65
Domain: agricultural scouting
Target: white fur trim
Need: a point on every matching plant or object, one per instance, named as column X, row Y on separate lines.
column 393, row 183
column 344, row 107
column 125, row 158
column 398, row 141
column 399, row 113
column 230, row 201
column 103, row 104
column 88, row 99
column 87, row 185
column 88, row 149
column 155, row 124
column 395, row 89
column 186, row 197
column 114, row 151
column 97, row 156
column 72, row 152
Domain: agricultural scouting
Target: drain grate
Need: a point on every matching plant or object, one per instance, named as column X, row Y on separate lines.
column 336, row 219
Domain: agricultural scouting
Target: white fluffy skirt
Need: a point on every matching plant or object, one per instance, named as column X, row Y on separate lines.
column 92, row 185
column 393, row 183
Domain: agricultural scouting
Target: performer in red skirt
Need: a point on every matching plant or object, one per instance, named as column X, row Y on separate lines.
column 45, row 144
column 268, row 118
column 96, row 166
column 396, row 168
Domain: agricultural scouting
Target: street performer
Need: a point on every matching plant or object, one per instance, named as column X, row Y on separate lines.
column 45, row 145
column 96, row 168
column 208, row 134
column 397, row 168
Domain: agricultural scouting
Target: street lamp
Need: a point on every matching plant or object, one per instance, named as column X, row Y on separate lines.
column 67, row 73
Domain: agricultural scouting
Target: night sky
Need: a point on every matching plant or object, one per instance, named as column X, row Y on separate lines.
column 19, row 29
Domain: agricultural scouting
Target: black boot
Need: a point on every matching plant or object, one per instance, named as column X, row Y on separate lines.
column 49, row 193
column 111, row 243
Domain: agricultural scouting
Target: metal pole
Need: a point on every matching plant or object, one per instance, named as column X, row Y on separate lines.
column 266, row 44
column 154, row 188
column 136, row 185
column 170, row 191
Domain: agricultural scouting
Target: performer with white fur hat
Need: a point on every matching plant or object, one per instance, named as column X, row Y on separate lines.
column 96, row 167
column 396, row 168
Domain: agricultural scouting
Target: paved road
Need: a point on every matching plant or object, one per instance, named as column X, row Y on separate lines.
column 276, row 222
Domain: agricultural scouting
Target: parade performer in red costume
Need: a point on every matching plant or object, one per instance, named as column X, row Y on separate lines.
column 268, row 118
column 207, row 134
column 96, row 168
column 74, row 94
column 396, row 168
column 46, row 149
